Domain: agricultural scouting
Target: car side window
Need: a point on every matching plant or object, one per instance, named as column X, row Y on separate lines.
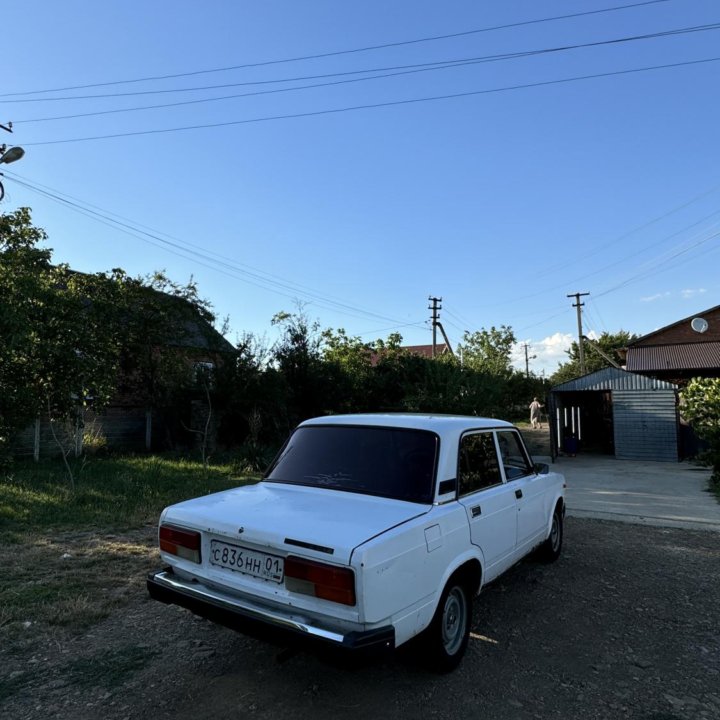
column 514, row 458
column 478, row 463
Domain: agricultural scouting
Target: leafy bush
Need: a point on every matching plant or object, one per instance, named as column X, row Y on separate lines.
column 94, row 440
column 252, row 458
column 700, row 405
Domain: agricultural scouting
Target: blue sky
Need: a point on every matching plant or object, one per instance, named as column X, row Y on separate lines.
column 501, row 200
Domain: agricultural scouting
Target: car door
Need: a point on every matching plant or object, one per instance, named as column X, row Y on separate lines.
column 489, row 502
column 527, row 488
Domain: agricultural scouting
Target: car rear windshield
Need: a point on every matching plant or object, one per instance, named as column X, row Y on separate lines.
column 389, row 462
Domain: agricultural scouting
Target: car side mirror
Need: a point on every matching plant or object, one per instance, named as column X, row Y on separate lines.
column 542, row 468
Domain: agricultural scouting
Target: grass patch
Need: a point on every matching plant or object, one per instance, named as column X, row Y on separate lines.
column 70, row 557
column 109, row 492
column 68, row 580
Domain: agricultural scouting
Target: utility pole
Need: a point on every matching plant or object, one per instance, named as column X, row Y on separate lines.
column 527, row 360
column 435, row 307
column 577, row 304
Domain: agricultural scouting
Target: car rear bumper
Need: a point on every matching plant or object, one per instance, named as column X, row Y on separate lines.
column 259, row 621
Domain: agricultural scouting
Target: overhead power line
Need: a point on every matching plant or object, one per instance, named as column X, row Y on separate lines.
column 213, row 261
column 335, row 53
column 654, row 243
column 602, row 269
column 375, row 106
column 657, row 266
column 662, row 265
column 386, row 72
column 402, row 69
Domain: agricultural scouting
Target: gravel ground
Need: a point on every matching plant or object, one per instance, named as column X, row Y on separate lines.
column 625, row 625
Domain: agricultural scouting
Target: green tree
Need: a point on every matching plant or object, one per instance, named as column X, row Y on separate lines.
column 60, row 347
column 700, row 406
column 609, row 343
column 162, row 325
column 250, row 397
column 298, row 359
column 81, row 341
column 488, row 351
column 350, row 360
column 70, row 340
column 24, row 268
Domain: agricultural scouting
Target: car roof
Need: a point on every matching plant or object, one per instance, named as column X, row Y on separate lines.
column 441, row 424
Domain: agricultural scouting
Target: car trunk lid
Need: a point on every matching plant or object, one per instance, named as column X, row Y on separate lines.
column 314, row 522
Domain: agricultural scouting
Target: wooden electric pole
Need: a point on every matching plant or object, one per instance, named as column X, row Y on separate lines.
column 528, row 358
column 435, row 307
column 577, row 304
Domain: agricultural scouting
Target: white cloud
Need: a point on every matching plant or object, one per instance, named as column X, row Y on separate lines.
column 691, row 292
column 549, row 352
column 657, row 296
column 685, row 294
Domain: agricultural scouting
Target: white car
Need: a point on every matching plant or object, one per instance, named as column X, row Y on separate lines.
column 367, row 531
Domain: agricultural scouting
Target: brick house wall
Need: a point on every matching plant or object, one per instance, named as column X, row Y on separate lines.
column 682, row 332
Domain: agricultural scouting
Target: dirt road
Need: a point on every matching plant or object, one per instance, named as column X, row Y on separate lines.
column 625, row 625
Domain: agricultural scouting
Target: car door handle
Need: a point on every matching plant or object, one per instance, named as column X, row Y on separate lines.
column 475, row 511
column 518, row 494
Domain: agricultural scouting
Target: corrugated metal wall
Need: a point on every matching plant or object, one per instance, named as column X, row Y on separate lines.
column 645, row 425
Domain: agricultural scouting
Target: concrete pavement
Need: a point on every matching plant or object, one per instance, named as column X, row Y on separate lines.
column 639, row 492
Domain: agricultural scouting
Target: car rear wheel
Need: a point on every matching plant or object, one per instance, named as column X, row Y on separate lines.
column 447, row 636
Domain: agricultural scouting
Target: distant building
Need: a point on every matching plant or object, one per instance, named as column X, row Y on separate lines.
column 685, row 349
column 127, row 423
column 636, row 414
column 424, row 351
column 427, row 350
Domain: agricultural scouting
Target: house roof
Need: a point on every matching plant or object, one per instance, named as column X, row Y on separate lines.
column 679, row 346
column 426, row 350
column 613, row 379
column 192, row 330
column 685, row 356
column 198, row 334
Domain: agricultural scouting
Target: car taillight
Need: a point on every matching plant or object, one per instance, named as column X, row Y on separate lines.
column 183, row 543
column 324, row 581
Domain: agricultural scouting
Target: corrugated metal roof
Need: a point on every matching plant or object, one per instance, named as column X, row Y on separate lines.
column 688, row 356
column 613, row 379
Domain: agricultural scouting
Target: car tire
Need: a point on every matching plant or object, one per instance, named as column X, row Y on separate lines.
column 550, row 550
column 446, row 637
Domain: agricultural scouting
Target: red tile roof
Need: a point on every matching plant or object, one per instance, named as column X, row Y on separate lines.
column 421, row 350
column 425, row 350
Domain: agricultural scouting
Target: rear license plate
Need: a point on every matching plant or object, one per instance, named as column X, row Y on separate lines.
column 249, row 562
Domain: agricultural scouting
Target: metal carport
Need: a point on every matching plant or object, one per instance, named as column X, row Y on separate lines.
column 616, row 412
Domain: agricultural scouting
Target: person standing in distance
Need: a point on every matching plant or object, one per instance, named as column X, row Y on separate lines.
column 535, row 408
